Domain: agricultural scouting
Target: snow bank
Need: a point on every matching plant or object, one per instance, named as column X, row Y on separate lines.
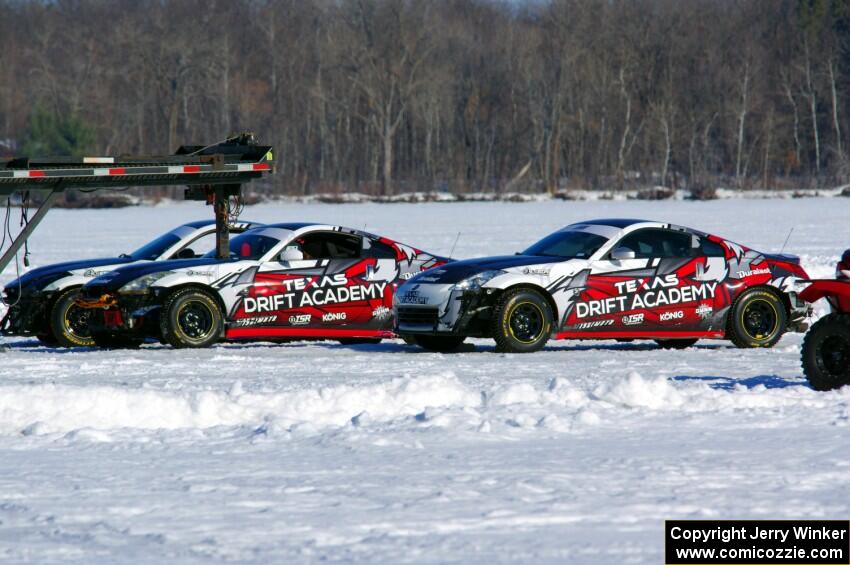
column 436, row 399
column 61, row 408
column 637, row 392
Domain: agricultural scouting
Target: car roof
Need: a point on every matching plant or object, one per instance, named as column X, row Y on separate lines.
column 204, row 223
column 614, row 222
column 293, row 225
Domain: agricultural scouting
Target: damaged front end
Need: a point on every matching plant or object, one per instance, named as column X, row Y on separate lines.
column 445, row 310
column 27, row 312
column 117, row 314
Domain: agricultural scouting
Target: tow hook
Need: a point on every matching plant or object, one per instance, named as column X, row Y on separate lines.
column 105, row 302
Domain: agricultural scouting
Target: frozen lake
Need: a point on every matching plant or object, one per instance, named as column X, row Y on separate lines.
column 384, row 453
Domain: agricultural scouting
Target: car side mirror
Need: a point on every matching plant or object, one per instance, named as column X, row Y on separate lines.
column 291, row 253
column 622, row 254
column 186, row 254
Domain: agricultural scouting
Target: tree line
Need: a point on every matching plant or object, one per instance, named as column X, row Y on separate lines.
column 390, row 96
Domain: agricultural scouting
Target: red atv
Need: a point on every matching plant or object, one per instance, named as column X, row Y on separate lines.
column 826, row 347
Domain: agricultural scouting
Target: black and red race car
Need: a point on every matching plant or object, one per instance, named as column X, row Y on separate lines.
column 608, row 279
column 282, row 281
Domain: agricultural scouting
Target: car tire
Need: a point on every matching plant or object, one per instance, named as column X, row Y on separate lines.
column 438, row 343
column 522, row 321
column 106, row 340
column 191, row 318
column 757, row 319
column 69, row 324
column 675, row 343
column 826, row 352
column 47, row 339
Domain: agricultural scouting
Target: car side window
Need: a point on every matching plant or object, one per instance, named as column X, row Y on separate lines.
column 708, row 248
column 379, row 250
column 197, row 247
column 658, row 243
column 329, row 245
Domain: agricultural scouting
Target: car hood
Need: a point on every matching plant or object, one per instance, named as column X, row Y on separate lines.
column 50, row 272
column 121, row 276
column 457, row 271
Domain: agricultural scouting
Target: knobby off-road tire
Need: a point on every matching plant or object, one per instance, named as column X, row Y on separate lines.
column 69, row 324
column 522, row 321
column 438, row 343
column 676, row 343
column 756, row 319
column 826, row 352
column 191, row 318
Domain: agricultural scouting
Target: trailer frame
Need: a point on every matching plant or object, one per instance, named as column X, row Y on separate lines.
column 213, row 173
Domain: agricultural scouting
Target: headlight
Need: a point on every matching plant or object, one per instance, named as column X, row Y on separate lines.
column 478, row 280
column 142, row 284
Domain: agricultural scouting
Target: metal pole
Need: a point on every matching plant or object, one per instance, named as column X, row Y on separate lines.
column 29, row 228
column 222, row 233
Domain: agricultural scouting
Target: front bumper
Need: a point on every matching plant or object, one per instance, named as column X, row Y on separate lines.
column 442, row 309
column 27, row 314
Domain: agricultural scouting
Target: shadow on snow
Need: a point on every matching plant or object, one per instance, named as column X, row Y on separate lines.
column 729, row 383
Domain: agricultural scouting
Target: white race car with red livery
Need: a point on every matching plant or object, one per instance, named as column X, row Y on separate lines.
column 608, row 279
column 282, row 281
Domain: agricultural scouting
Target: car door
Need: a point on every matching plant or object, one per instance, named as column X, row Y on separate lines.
column 649, row 283
column 332, row 285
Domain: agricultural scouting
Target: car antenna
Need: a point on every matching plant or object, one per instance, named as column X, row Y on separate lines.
column 786, row 239
column 454, row 245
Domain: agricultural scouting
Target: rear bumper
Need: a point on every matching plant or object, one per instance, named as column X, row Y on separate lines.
column 799, row 313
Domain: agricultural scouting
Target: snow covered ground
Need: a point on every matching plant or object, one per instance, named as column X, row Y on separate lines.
column 384, row 453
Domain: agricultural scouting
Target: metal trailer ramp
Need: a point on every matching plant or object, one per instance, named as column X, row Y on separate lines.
column 213, row 173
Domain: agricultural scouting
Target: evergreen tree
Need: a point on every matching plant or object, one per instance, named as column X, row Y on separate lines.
column 52, row 134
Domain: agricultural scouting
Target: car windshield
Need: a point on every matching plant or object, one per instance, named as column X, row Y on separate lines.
column 249, row 246
column 154, row 249
column 567, row 244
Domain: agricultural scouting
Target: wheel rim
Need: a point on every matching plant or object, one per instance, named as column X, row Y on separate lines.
column 760, row 319
column 77, row 322
column 526, row 322
column 195, row 320
column 833, row 357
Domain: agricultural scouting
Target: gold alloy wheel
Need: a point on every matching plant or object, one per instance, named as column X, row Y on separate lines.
column 759, row 319
column 68, row 323
column 526, row 322
column 195, row 320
